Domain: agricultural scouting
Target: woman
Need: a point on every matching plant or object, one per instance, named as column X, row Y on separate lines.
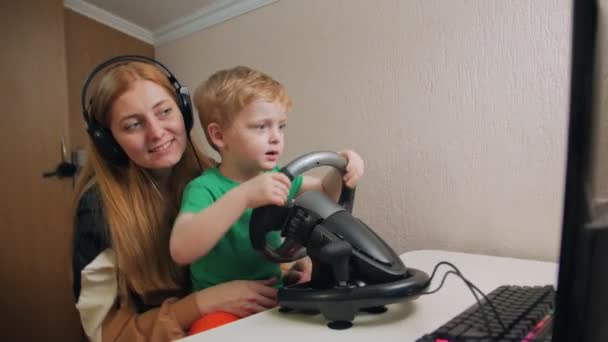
column 125, row 283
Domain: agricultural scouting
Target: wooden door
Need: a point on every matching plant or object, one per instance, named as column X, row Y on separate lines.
column 36, row 302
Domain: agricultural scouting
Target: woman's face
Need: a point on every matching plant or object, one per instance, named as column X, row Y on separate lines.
column 148, row 125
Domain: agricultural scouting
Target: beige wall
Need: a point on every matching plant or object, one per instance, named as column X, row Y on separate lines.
column 458, row 107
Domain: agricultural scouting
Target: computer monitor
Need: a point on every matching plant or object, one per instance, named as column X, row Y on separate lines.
column 581, row 312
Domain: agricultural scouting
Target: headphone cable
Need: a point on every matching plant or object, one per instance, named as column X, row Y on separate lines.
column 200, row 166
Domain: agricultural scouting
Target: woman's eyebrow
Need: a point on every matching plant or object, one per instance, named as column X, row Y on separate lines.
column 160, row 103
column 130, row 116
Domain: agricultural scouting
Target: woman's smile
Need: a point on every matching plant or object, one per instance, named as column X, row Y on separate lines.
column 162, row 147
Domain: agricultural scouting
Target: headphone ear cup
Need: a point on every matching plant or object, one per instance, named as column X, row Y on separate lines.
column 106, row 145
column 185, row 106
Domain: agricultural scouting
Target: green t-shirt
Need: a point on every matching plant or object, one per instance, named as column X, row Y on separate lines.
column 233, row 257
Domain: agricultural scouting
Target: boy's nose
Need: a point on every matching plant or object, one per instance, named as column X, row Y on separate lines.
column 275, row 135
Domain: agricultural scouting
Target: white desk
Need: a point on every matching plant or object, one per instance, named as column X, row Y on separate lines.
column 404, row 321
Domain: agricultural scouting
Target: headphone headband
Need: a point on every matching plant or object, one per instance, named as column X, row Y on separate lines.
column 116, row 60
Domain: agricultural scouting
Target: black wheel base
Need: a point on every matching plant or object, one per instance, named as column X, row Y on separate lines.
column 374, row 310
column 339, row 325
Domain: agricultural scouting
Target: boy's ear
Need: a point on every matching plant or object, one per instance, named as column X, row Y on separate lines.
column 214, row 131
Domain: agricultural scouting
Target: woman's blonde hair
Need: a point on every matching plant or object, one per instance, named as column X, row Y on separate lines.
column 138, row 214
column 225, row 93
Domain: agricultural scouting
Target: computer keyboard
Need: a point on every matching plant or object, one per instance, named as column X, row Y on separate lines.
column 525, row 311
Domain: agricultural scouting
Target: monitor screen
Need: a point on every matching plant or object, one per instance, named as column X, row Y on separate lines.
column 581, row 312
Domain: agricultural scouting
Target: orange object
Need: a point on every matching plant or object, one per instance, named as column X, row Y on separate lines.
column 211, row 320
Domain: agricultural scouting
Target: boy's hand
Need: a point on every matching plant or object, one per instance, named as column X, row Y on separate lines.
column 300, row 272
column 267, row 188
column 354, row 168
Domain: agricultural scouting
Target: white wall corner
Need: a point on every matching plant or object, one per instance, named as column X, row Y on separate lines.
column 218, row 12
column 110, row 20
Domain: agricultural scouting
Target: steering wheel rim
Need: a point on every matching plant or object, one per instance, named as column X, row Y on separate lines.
column 271, row 217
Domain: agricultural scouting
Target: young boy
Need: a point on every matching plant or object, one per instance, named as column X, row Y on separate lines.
column 243, row 113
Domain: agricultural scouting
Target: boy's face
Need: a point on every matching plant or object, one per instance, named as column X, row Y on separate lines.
column 255, row 139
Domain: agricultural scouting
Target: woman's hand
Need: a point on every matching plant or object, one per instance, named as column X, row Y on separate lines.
column 354, row 168
column 239, row 297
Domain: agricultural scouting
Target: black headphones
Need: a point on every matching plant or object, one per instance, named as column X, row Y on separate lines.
column 102, row 137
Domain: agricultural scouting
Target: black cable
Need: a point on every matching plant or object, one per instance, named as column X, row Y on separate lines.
column 485, row 317
column 471, row 287
column 195, row 154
